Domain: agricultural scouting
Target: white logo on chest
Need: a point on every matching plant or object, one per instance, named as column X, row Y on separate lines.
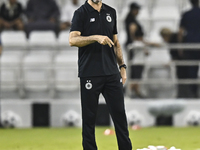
column 92, row 19
column 108, row 18
column 88, row 85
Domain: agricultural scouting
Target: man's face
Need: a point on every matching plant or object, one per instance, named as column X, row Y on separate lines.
column 96, row 1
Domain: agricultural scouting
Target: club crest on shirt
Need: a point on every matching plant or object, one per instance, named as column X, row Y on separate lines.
column 108, row 18
column 88, row 85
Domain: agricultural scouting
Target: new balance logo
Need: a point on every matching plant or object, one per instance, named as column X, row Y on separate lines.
column 92, row 19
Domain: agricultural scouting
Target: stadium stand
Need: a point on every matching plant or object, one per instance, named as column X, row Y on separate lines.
column 15, row 46
column 46, row 64
column 13, row 39
column 43, row 69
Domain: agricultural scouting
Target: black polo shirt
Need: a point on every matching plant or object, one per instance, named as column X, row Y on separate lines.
column 96, row 59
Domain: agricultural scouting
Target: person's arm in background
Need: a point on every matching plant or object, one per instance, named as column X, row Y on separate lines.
column 152, row 44
column 133, row 29
column 120, row 59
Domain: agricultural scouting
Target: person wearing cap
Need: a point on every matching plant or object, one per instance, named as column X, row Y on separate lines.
column 101, row 69
column 135, row 34
column 181, row 71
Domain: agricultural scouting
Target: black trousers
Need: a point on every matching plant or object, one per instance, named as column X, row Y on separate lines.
column 112, row 89
column 187, row 90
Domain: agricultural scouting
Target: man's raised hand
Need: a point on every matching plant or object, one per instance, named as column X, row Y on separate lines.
column 104, row 40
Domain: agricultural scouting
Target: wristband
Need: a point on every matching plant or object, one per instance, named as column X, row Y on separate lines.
column 122, row 66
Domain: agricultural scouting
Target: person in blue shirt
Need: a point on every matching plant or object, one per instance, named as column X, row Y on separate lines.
column 190, row 31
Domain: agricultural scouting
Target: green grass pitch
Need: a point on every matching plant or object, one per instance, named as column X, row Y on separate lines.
column 70, row 138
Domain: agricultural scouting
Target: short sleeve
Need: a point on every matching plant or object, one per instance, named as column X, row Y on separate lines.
column 115, row 24
column 77, row 22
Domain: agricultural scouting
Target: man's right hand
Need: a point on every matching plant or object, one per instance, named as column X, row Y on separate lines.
column 104, row 40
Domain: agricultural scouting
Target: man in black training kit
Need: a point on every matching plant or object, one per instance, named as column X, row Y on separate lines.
column 94, row 31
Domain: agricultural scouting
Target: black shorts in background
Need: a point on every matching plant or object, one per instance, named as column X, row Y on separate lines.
column 136, row 71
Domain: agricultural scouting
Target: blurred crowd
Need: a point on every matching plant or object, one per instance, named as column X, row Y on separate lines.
column 189, row 32
column 37, row 15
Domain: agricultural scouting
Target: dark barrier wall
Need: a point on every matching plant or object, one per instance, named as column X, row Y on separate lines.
column 41, row 115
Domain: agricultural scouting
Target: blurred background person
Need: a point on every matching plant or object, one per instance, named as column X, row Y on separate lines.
column 134, row 32
column 42, row 15
column 181, row 71
column 190, row 31
column 135, row 36
column 10, row 15
column 67, row 13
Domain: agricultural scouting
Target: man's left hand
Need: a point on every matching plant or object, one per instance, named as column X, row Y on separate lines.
column 123, row 75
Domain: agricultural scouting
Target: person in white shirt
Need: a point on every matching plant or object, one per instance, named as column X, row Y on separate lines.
column 67, row 14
